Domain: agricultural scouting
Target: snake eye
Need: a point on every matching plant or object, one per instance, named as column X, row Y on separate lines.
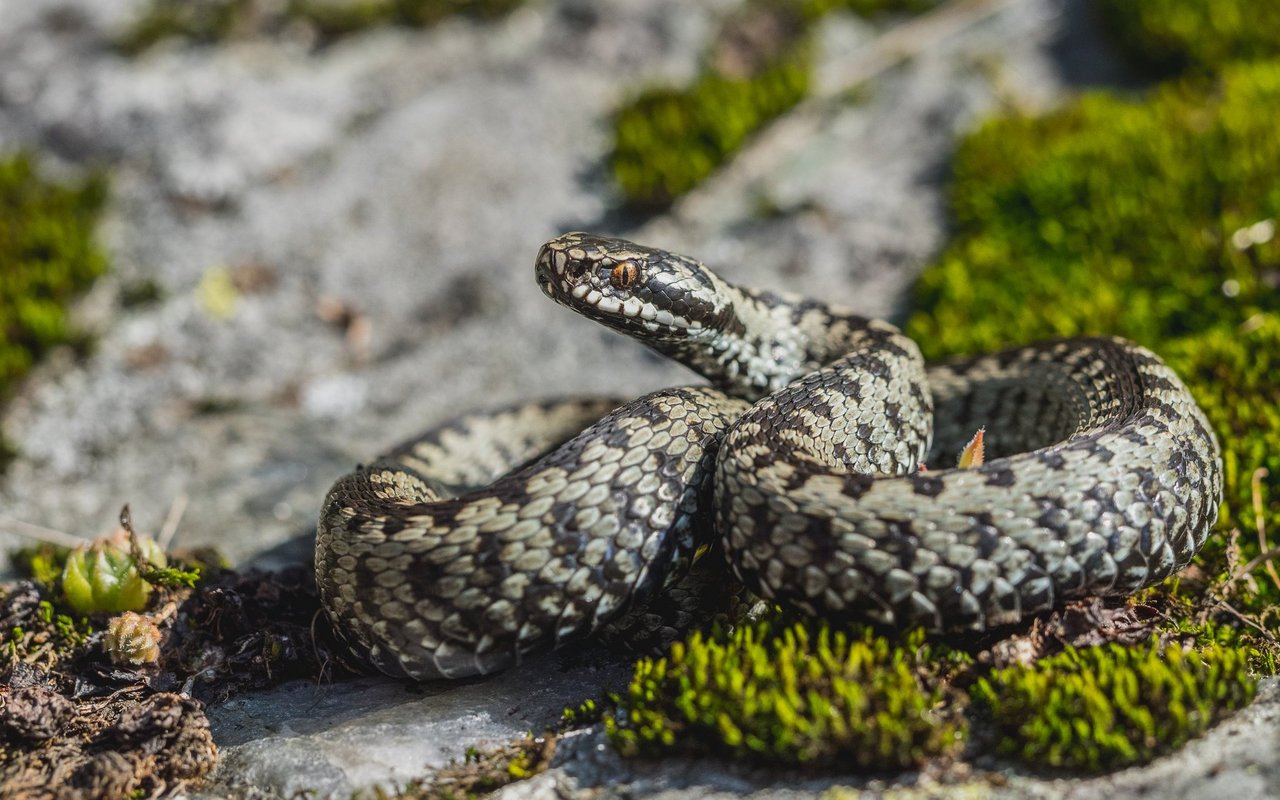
column 624, row 274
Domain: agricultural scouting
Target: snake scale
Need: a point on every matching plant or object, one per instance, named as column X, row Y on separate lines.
column 802, row 465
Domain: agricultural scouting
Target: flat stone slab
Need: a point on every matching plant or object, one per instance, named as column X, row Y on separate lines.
column 334, row 739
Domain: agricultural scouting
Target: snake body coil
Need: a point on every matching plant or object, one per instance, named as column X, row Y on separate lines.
column 504, row 533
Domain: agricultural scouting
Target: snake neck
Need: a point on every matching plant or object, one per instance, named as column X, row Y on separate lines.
column 763, row 341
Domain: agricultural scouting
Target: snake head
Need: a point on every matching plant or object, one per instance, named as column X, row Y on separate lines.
column 641, row 291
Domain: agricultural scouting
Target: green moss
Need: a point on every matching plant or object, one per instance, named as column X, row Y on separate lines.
column 667, row 140
column 1107, row 707
column 792, row 695
column 1128, row 209
column 588, row 712
column 41, row 562
column 1183, row 624
column 1234, row 372
column 208, row 21
column 36, row 633
column 171, row 576
column 47, row 256
column 1170, row 36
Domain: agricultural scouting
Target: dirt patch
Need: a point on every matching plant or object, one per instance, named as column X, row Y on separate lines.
column 74, row 723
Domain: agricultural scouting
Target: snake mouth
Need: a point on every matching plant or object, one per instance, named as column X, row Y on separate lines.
column 548, row 287
column 544, row 272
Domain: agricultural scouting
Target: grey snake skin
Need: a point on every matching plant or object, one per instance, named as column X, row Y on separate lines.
column 802, row 466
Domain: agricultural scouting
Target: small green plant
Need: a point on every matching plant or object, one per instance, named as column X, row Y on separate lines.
column 797, row 695
column 42, row 638
column 1110, row 706
column 132, row 639
column 106, row 576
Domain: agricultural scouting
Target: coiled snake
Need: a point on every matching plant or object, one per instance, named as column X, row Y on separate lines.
column 504, row 533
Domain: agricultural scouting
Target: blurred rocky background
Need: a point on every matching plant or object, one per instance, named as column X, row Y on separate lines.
column 319, row 249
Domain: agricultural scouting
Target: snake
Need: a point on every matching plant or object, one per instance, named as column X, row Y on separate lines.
column 817, row 463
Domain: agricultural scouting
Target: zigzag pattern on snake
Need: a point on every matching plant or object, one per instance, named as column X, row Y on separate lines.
column 504, row 533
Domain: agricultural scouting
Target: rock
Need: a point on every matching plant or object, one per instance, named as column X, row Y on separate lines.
column 339, row 737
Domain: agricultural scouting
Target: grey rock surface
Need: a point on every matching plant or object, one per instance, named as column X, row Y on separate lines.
column 378, row 205
column 333, row 739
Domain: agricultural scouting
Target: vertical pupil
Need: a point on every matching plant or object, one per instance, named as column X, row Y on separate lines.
column 624, row 274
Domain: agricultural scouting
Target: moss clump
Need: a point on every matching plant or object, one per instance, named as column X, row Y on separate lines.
column 1171, row 36
column 47, row 256
column 1129, row 210
column 666, row 141
column 32, row 632
column 796, row 695
column 1110, row 706
column 1153, row 220
column 208, row 21
column 588, row 712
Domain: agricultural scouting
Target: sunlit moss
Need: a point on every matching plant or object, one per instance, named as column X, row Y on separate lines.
column 1169, row 36
column 43, row 638
column 1129, row 209
column 1105, row 707
column 794, row 695
column 666, row 141
column 47, row 256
